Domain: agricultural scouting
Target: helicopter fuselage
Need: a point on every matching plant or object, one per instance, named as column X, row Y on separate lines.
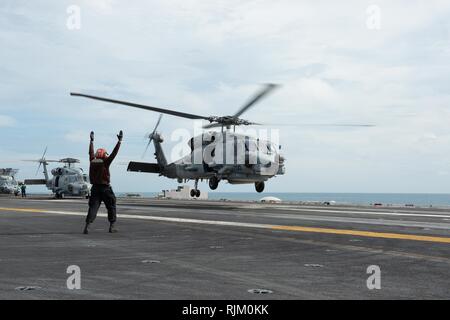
column 8, row 185
column 64, row 181
column 219, row 156
column 69, row 181
column 8, row 182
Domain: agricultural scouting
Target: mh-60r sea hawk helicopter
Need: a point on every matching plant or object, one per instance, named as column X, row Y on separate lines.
column 66, row 181
column 210, row 158
column 252, row 160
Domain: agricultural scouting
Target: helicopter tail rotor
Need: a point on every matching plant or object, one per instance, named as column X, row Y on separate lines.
column 42, row 160
column 152, row 135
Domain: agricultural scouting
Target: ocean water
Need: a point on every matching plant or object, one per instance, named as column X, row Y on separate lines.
column 417, row 199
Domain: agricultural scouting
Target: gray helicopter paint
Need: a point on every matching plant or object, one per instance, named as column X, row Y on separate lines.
column 65, row 181
column 189, row 168
column 8, row 182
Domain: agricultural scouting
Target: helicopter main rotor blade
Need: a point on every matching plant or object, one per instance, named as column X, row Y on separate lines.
column 141, row 106
column 320, row 125
column 261, row 94
column 41, row 160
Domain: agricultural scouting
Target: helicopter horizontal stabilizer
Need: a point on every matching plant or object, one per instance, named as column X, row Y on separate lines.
column 35, row 181
column 144, row 167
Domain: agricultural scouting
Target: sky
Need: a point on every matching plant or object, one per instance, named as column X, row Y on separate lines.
column 385, row 63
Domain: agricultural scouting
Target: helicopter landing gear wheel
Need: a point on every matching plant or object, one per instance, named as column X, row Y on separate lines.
column 213, row 183
column 195, row 192
column 259, row 186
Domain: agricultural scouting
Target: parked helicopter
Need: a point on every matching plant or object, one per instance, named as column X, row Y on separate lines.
column 252, row 160
column 8, row 182
column 66, row 181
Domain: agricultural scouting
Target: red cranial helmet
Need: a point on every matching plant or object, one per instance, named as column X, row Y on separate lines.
column 101, row 154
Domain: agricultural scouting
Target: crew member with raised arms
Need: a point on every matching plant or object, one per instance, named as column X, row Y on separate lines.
column 100, row 178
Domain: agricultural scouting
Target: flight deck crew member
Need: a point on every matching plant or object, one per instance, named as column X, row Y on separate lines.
column 100, row 178
column 23, row 189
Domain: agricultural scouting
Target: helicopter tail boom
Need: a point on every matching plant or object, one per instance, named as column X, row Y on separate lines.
column 159, row 153
column 35, row 181
column 144, row 167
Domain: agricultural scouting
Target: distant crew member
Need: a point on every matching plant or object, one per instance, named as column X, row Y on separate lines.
column 101, row 188
column 23, row 189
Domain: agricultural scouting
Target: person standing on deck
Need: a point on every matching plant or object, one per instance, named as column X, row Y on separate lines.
column 100, row 178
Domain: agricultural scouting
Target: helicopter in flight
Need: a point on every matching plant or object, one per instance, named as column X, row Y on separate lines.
column 8, row 182
column 68, row 180
column 246, row 167
column 215, row 155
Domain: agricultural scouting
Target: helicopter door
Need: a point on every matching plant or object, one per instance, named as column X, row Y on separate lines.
column 57, row 181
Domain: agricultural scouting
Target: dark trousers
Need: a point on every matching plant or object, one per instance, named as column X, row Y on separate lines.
column 101, row 193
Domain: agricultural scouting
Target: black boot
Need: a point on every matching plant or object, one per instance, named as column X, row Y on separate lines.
column 86, row 228
column 112, row 229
